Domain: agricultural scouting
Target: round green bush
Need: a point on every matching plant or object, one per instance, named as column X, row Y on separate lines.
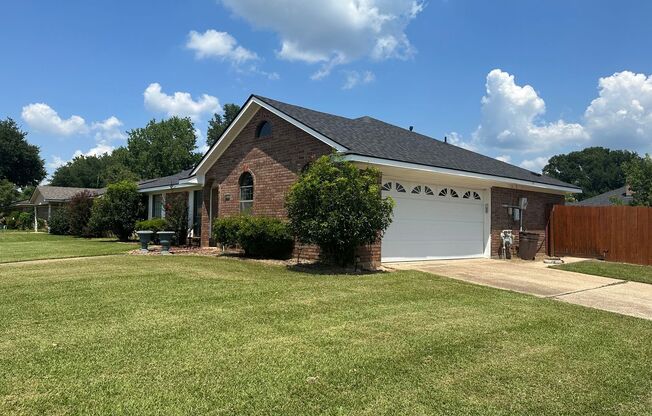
column 59, row 223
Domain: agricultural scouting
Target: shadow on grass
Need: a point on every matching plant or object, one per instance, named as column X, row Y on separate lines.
column 326, row 269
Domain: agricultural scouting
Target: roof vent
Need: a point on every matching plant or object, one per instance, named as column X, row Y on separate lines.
column 411, row 128
column 445, row 139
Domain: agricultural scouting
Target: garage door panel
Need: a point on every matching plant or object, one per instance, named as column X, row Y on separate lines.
column 418, row 208
column 401, row 251
column 422, row 230
column 434, row 227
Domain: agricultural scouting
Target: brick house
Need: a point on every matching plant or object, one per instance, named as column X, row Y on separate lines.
column 450, row 202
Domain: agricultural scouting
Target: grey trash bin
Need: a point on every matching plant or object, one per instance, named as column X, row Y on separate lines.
column 527, row 245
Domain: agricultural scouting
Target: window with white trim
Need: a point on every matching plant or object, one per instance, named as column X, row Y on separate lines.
column 246, row 183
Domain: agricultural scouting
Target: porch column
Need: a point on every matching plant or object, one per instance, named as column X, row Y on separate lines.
column 191, row 201
column 35, row 220
column 206, row 214
column 150, row 205
column 49, row 211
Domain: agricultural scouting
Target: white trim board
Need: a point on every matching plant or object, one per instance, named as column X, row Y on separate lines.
column 445, row 171
column 247, row 112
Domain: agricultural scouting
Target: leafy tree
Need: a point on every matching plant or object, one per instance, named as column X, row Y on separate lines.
column 219, row 123
column 595, row 169
column 81, row 172
column 8, row 194
column 95, row 171
column 117, row 210
column 162, row 148
column 639, row 178
column 20, row 162
column 338, row 207
column 176, row 215
column 79, row 213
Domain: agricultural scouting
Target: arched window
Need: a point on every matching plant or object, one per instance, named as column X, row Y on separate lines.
column 264, row 129
column 246, row 192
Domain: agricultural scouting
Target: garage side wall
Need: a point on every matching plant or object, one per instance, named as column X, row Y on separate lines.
column 535, row 217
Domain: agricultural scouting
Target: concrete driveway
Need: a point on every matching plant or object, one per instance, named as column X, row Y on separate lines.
column 535, row 278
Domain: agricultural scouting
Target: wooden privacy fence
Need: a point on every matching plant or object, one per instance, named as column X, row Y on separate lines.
column 616, row 233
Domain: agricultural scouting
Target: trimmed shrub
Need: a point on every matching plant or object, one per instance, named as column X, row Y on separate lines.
column 79, row 214
column 265, row 237
column 225, row 230
column 59, row 223
column 339, row 207
column 258, row 236
column 155, row 224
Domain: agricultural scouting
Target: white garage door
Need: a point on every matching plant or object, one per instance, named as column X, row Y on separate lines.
column 433, row 222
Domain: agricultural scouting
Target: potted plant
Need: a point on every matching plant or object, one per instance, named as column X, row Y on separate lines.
column 144, row 236
column 165, row 237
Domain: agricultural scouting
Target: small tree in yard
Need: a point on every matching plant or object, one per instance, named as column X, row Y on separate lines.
column 79, row 213
column 338, row 207
column 639, row 178
column 117, row 210
column 176, row 215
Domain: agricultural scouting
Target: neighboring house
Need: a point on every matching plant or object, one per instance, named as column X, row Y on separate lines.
column 620, row 196
column 450, row 202
column 46, row 199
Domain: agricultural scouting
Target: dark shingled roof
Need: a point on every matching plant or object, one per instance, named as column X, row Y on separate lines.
column 62, row 193
column 171, row 180
column 605, row 198
column 367, row 136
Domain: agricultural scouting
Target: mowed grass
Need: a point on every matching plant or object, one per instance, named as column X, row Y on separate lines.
column 203, row 335
column 20, row 246
column 624, row 271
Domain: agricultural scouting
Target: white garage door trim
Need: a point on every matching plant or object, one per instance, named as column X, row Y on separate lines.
column 435, row 222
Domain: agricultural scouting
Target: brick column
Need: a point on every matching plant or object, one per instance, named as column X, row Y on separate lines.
column 205, row 214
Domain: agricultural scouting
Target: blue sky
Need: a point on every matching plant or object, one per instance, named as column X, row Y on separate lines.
column 517, row 80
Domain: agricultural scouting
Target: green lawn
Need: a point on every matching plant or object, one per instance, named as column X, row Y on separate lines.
column 17, row 246
column 203, row 335
column 633, row 272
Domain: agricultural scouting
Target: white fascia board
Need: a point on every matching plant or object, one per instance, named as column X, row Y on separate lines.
column 216, row 150
column 445, row 171
column 232, row 131
column 168, row 188
column 193, row 180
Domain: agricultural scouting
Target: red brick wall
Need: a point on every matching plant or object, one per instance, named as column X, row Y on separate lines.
column 535, row 217
column 274, row 162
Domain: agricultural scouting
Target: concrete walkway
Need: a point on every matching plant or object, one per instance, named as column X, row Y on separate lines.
column 535, row 278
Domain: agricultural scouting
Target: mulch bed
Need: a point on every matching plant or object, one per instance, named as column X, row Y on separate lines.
column 302, row 265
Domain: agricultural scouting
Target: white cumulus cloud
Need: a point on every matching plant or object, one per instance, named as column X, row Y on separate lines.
column 214, row 44
column 180, row 103
column 333, row 32
column 109, row 129
column 504, row 158
column 355, row 78
column 43, row 118
column 621, row 116
column 99, row 149
column 511, row 119
column 55, row 162
column 534, row 165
